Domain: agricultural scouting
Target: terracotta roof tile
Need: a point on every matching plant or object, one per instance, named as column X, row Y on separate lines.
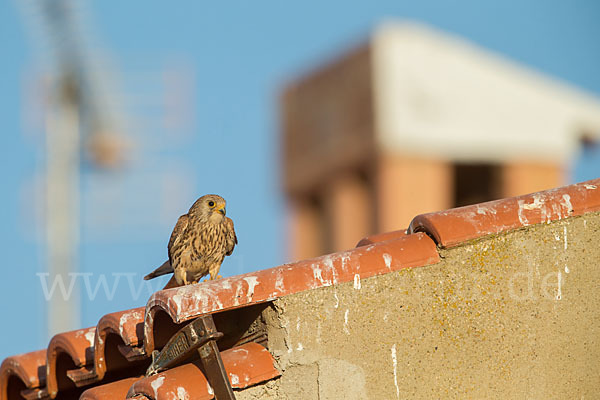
column 246, row 365
column 381, row 237
column 249, row 364
column 187, row 302
column 452, row 227
column 128, row 326
column 109, row 391
column 77, row 346
column 24, row 371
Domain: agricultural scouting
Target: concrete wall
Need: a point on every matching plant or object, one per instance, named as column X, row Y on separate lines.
column 509, row 316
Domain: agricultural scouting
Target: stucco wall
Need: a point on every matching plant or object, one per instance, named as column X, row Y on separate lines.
column 510, row 316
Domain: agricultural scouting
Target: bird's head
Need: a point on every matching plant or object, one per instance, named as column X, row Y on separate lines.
column 210, row 207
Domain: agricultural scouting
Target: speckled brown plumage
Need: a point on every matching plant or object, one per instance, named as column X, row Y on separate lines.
column 200, row 241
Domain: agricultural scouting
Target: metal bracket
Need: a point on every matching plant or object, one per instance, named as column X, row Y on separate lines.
column 200, row 334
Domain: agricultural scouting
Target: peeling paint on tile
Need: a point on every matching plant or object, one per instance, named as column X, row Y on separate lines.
column 337, row 301
column 567, row 203
column 537, row 203
column 226, row 283
column 279, row 286
column 238, row 292
column 126, row 317
column 89, row 335
column 345, row 258
column 590, row 187
column 182, row 394
column 521, row 215
column 240, row 350
column 177, row 300
column 565, row 235
column 387, row 259
column 317, row 274
column 329, row 264
column 485, row 210
column 235, row 380
column 252, row 281
column 156, row 384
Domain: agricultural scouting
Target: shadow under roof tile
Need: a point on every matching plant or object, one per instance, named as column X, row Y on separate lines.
column 455, row 226
column 29, row 368
column 187, row 302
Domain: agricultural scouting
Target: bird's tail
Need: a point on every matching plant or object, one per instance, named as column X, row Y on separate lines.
column 164, row 269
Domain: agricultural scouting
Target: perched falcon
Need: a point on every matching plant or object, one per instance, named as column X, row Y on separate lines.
column 200, row 241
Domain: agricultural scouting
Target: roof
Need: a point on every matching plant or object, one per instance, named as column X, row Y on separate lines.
column 109, row 360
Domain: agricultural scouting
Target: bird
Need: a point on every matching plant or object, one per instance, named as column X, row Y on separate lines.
column 200, row 241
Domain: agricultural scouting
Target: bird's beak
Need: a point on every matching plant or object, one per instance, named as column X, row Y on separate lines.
column 221, row 209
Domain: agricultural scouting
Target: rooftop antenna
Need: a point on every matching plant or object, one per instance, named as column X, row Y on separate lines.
column 77, row 115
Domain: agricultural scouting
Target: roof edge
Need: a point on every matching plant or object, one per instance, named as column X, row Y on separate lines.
column 455, row 226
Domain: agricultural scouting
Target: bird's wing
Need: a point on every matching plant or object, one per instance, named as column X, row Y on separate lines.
column 230, row 236
column 167, row 266
column 177, row 234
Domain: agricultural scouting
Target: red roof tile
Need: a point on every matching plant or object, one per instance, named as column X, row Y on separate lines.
column 246, row 365
column 109, row 391
column 28, row 371
column 452, row 227
column 77, row 346
column 381, row 237
column 127, row 325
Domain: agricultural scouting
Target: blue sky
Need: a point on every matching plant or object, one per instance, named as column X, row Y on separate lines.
column 239, row 55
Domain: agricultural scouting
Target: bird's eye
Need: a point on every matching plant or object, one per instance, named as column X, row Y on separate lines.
column 211, row 203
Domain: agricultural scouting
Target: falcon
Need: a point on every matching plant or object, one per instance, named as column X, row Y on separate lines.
column 200, row 241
